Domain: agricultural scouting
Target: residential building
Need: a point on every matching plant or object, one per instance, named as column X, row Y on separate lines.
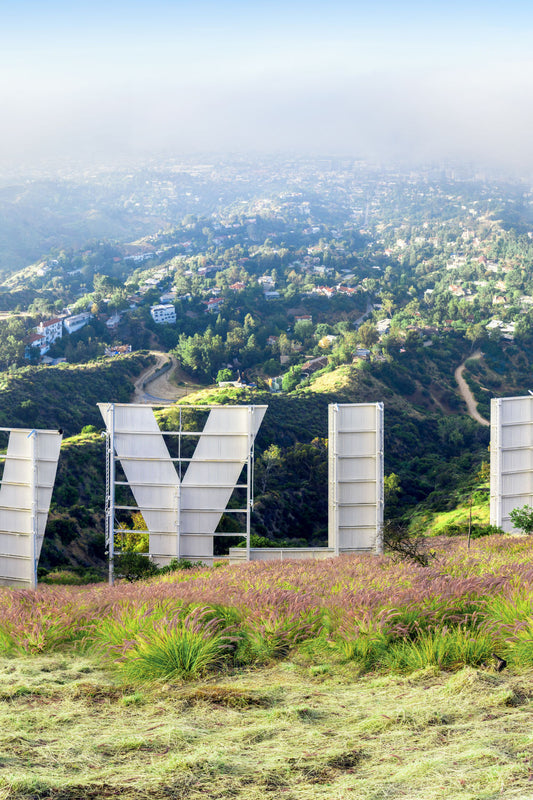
column 51, row 329
column 76, row 322
column 36, row 340
column 113, row 321
column 163, row 314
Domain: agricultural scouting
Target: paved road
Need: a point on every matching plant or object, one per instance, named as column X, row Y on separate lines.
column 466, row 394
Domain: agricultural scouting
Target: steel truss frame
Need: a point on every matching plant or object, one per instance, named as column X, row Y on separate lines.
column 181, row 463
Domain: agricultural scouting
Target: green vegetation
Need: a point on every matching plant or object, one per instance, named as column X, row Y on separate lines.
column 305, row 280
column 354, row 675
column 522, row 519
column 65, row 396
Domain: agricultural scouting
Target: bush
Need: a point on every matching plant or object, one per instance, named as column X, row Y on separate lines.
column 477, row 531
column 64, row 577
column 260, row 541
column 522, row 518
column 177, row 564
column 134, row 566
column 65, row 528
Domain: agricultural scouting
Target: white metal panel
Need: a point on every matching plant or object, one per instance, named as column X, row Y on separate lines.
column 357, row 539
column 195, row 507
column 511, row 458
column 355, row 462
column 207, row 485
column 357, row 516
column 25, row 494
column 359, row 493
column 149, row 470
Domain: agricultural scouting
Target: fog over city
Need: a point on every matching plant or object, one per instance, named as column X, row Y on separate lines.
column 383, row 81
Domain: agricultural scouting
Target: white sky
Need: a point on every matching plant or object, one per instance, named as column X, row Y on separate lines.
column 417, row 80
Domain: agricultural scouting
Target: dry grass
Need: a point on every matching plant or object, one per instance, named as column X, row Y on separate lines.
column 295, row 730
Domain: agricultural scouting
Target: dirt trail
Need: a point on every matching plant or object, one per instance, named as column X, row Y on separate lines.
column 465, row 392
column 161, row 389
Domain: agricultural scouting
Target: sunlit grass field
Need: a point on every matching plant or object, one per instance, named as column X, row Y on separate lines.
column 353, row 677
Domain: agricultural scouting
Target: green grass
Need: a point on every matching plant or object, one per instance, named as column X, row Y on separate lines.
column 69, row 731
column 183, row 649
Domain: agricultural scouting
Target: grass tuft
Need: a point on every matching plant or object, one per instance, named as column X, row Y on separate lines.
column 448, row 648
column 183, row 648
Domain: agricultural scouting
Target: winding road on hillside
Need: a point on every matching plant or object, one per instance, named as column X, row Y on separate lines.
column 161, row 389
column 465, row 392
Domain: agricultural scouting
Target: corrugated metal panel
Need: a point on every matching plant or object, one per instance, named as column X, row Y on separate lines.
column 27, row 485
column 355, row 496
column 511, row 458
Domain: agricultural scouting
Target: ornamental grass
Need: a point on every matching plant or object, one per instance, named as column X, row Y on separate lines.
column 375, row 611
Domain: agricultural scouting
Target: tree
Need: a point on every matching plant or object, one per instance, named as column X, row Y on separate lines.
column 368, row 334
column 270, row 459
column 291, row 379
column 522, row 518
column 303, row 330
column 224, row 375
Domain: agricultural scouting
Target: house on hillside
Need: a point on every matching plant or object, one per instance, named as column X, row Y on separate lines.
column 51, row 329
column 314, row 364
column 213, row 305
column 76, row 322
column 163, row 314
column 36, row 340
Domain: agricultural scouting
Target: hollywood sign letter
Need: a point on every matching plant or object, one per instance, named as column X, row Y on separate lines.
column 181, row 516
column 30, row 465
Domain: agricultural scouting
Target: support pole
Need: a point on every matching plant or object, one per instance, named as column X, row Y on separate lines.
column 34, row 508
column 380, row 498
column 110, row 517
column 177, row 501
column 334, row 477
column 249, row 499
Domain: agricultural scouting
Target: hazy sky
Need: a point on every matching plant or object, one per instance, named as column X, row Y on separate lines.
column 417, row 80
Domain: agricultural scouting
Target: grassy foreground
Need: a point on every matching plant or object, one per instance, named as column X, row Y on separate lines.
column 352, row 677
column 294, row 730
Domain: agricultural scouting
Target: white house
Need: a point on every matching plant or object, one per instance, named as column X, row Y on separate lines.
column 51, row 329
column 74, row 323
column 113, row 321
column 36, row 340
column 164, row 314
column 168, row 297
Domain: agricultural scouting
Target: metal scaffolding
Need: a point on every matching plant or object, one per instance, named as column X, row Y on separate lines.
column 181, row 498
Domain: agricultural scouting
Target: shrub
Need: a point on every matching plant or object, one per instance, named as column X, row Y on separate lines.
column 65, row 528
column 259, row 541
column 522, row 518
column 476, row 532
column 134, row 566
column 63, row 577
column 177, row 564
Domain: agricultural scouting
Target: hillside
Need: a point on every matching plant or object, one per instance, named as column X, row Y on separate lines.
column 344, row 283
column 435, row 457
column 65, row 396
